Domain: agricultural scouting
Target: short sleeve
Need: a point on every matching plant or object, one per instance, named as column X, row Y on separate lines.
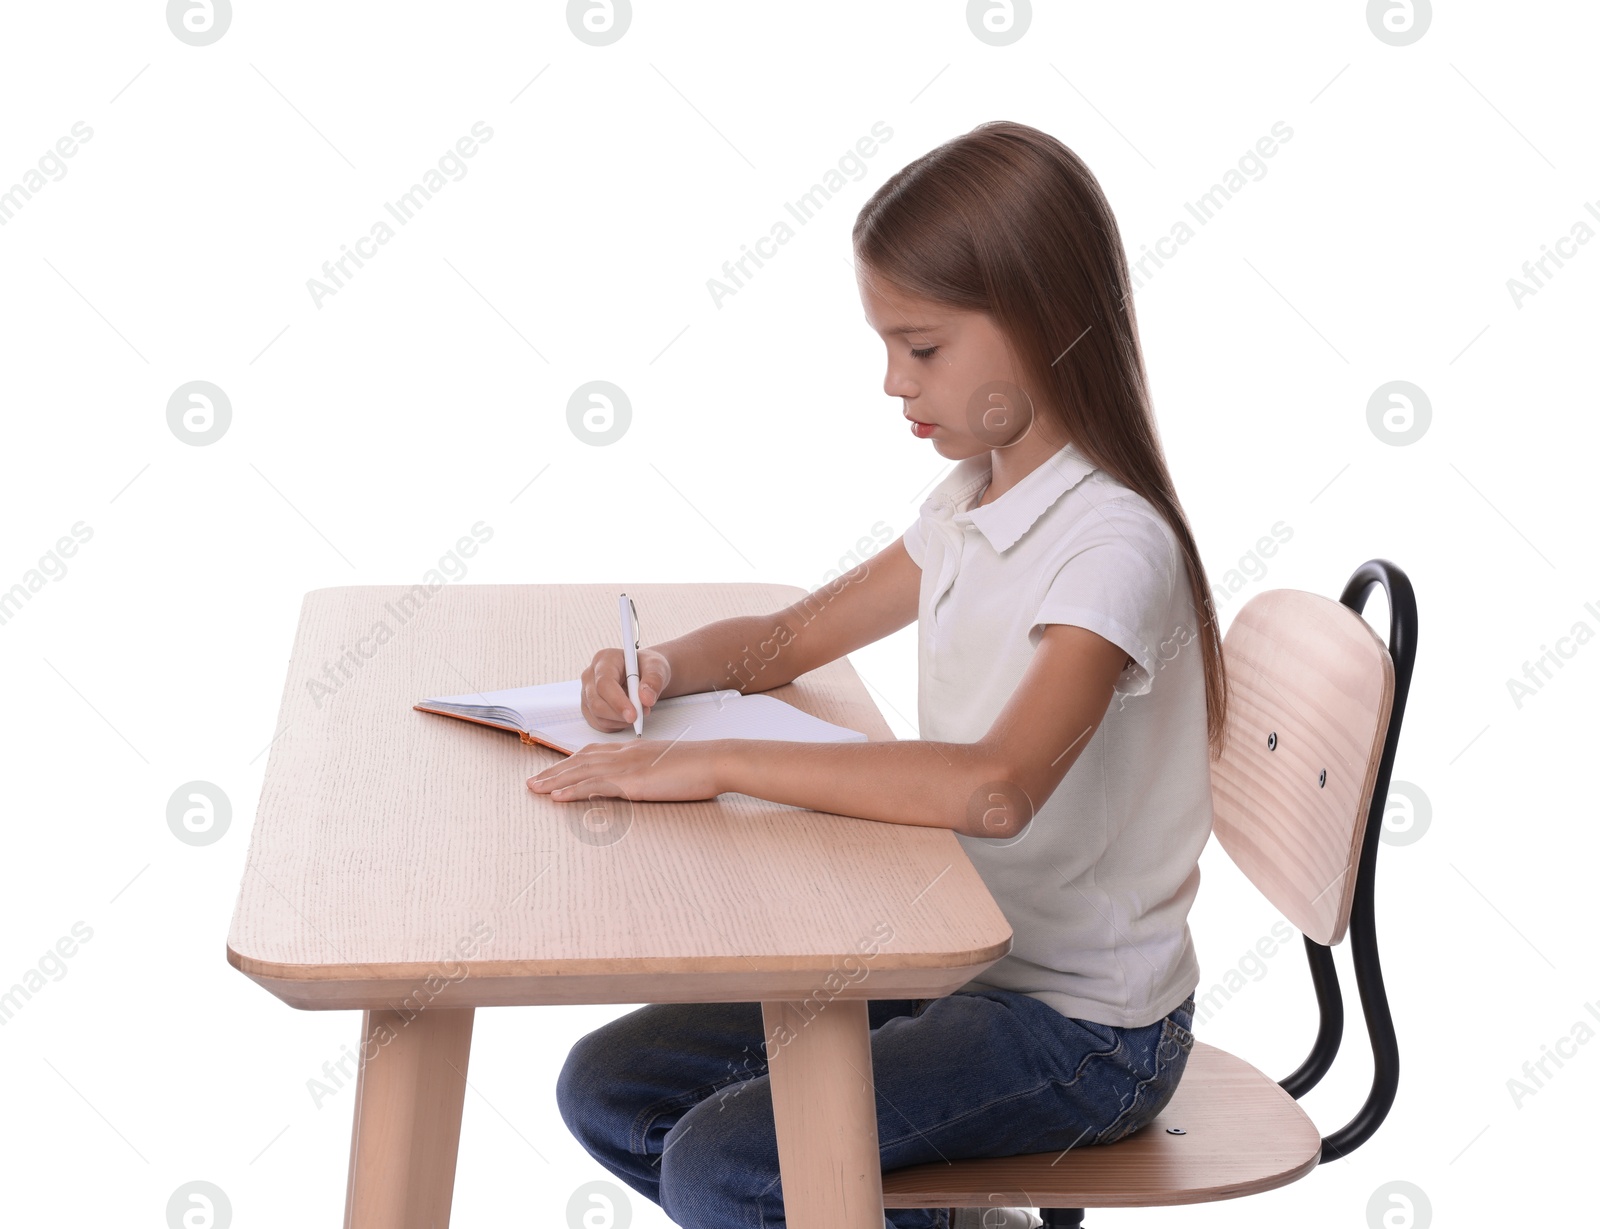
column 1118, row 582
column 916, row 541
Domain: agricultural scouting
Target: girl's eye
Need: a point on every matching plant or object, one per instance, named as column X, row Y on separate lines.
column 923, row 353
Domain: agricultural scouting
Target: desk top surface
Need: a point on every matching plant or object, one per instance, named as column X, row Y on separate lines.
column 392, row 846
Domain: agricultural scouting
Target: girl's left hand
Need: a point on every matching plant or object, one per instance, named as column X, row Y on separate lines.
column 642, row 770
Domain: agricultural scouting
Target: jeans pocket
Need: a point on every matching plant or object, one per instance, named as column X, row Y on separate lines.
column 1152, row 1091
column 1177, row 1040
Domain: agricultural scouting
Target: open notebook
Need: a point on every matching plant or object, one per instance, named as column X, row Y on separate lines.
column 551, row 714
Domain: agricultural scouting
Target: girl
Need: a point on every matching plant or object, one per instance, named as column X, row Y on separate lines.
column 1070, row 696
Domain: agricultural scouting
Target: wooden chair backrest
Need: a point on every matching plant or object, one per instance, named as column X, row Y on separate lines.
column 1310, row 691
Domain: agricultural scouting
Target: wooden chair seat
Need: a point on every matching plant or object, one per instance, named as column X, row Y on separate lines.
column 1241, row 1134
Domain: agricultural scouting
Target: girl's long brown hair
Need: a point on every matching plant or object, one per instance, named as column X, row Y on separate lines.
column 1008, row 221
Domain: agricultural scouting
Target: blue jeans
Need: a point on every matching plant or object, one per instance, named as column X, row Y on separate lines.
column 675, row 1100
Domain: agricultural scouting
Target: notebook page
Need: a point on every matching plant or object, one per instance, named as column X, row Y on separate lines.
column 537, row 720
column 545, row 704
column 737, row 716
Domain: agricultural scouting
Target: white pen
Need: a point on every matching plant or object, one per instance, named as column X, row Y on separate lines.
column 630, row 657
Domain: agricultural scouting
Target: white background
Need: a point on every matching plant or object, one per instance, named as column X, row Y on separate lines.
column 369, row 433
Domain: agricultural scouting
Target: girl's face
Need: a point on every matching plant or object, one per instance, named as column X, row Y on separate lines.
column 951, row 369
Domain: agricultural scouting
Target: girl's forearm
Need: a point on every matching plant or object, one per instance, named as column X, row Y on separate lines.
column 930, row 784
column 740, row 652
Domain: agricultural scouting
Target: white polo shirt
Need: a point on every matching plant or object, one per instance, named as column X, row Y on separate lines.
column 1098, row 887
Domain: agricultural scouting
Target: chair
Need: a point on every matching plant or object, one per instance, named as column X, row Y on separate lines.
column 1298, row 796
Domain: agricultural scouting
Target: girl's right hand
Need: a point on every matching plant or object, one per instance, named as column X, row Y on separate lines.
column 605, row 688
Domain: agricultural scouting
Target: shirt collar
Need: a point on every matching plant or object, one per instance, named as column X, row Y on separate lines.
column 1004, row 521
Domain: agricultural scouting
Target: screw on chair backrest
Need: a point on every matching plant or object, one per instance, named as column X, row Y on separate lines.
column 1315, row 702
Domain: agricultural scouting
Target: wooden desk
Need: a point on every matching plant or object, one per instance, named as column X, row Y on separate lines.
column 399, row 864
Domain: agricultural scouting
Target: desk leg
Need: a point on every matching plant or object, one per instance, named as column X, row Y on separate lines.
column 820, row 1062
column 409, row 1094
